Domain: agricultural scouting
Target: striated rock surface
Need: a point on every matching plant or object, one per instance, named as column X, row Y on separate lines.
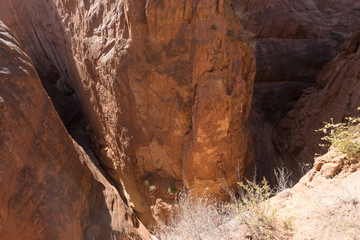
column 50, row 189
column 165, row 85
column 296, row 38
column 334, row 96
column 287, row 19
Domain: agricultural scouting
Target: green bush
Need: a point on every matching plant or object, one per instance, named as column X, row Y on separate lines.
column 344, row 136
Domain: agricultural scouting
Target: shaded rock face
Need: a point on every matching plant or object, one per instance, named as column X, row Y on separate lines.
column 295, row 39
column 334, row 96
column 165, row 85
column 50, row 189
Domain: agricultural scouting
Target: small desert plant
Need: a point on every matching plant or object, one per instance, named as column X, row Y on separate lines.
column 147, row 182
column 304, row 167
column 213, row 27
column 255, row 213
column 193, row 216
column 152, row 188
column 282, row 176
column 344, row 136
column 172, row 189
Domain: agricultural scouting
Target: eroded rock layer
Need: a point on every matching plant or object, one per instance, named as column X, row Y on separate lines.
column 50, row 189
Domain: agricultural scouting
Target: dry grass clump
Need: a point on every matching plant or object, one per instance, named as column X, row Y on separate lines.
column 197, row 217
column 193, row 216
column 282, row 176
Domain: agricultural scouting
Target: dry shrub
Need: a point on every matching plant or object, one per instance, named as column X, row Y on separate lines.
column 282, row 176
column 193, row 216
column 255, row 213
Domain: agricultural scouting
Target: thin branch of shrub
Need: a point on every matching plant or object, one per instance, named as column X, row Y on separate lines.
column 282, row 176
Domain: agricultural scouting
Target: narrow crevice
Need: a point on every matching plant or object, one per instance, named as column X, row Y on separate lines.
column 70, row 112
column 67, row 108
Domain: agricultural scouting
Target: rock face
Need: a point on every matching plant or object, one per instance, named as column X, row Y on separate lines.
column 333, row 96
column 165, row 85
column 49, row 187
column 295, row 40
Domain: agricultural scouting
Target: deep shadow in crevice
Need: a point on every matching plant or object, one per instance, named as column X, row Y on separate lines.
column 67, row 106
column 271, row 102
column 69, row 109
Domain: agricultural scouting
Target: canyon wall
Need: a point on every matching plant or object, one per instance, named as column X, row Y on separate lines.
column 334, row 96
column 295, row 39
column 50, row 188
column 165, row 86
column 159, row 92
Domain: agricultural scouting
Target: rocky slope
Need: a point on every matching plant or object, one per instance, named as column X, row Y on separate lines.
column 296, row 38
column 50, row 188
column 322, row 206
column 166, row 86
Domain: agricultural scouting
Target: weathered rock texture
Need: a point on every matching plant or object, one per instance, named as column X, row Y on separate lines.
column 295, row 40
column 165, row 85
column 334, row 96
column 49, row 187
